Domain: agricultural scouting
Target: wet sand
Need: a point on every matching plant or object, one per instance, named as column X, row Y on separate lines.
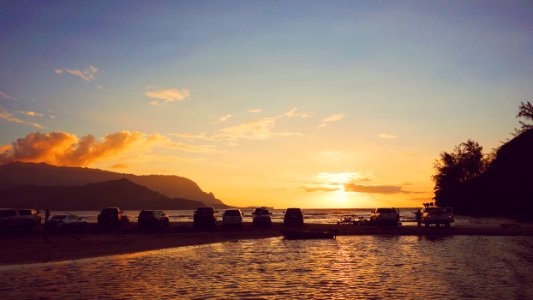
column 42, row 246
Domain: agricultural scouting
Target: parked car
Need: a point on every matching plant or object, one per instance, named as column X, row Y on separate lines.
column 232, row 217
column 31, row 215
column 437, row 215
column 205, row 217
column 293, row 217
column 150, row 218
column 11, row 218
column 65, row 222
column 111, row 216
column 261, row 217
column 385, row 216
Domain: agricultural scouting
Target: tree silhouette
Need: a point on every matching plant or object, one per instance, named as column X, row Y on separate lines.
column 452, row 169
column 526, row 112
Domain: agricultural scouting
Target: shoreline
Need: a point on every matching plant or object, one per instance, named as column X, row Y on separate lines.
column 40, row 246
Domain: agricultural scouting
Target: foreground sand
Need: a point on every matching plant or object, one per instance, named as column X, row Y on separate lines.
column 42, row 246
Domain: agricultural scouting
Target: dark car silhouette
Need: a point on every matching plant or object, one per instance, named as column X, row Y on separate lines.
column 205, row 217
column 152, row 218
column 111, row 216
column 293, row 217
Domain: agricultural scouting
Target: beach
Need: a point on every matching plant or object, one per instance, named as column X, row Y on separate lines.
column 40, row 246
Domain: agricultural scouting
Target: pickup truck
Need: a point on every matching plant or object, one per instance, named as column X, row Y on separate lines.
column 437, row 216
column 25, row 219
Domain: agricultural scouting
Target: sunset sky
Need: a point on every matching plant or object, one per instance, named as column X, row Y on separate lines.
column 276, row 103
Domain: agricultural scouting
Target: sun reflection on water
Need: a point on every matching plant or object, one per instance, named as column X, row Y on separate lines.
column 349, row 267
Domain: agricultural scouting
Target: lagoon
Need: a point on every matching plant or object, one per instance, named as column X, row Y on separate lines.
column 350, row 267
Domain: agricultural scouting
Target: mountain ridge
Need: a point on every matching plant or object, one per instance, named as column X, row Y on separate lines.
column 18, row 174
column 92, row 196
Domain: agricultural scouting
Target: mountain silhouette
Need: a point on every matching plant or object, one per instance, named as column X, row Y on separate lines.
column 94, row 196
column 20, row 174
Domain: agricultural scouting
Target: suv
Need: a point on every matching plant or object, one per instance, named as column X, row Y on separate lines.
column 205, row 217
column 293, row 217
column 30, row 215
column 10, row 218
column 111, row 216
column 152, row 218
column 261, row 216
column 232, row 217
column 385, row 216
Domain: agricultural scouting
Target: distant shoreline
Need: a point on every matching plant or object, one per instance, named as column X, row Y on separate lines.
column 40, row 246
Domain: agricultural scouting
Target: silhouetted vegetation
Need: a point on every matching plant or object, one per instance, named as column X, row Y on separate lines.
column 526, row 112
column 497, row 184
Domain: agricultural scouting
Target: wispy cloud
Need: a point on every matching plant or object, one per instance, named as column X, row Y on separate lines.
column 386, row 136
column 31, row 114
column 255, row 110
column 320, row 189
column 331, row 119
column 223, row 119
column 7, row 116
column 88, row 74
column 201, row 136
column 6, row 96
column 260, row 129
column 376, row 189
column 164, row 96
column 295, row 113
column 169, row 143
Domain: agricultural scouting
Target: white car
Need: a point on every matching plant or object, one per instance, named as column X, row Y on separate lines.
column 385, row 216
column 232, row 217
column 67, row 221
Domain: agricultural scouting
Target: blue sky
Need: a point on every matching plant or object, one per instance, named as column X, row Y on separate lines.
column 372, row 86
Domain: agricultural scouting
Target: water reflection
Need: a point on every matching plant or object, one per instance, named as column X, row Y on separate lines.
column 349, row 267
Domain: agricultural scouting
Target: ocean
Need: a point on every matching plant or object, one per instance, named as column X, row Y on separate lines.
column 350, row 267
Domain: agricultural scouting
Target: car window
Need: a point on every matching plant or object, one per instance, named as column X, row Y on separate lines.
column 232, row 212
column 9, row 213
column 294, row 211
column 24, row 212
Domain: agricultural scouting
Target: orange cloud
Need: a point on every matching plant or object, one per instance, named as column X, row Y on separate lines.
column 119, row 166
column 62, row 148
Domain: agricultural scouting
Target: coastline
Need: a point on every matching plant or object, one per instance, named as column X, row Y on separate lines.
column 40, row 246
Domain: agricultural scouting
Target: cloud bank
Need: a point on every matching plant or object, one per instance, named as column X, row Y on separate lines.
column 62, row 148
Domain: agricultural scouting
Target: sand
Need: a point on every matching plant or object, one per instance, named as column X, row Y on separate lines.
column 41, row 246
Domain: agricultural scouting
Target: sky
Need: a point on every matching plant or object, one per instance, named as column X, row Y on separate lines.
column 313, row 104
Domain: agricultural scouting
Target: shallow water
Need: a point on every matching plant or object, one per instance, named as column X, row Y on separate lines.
column 350, row 267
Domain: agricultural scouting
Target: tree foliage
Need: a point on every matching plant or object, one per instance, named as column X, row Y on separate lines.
column 452, row 169
column 526, row 112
